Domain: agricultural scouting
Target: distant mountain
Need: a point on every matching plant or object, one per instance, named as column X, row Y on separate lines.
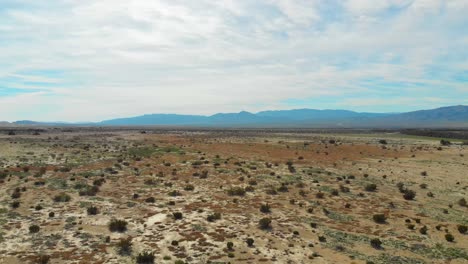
column 451, row 116
column 157, row 119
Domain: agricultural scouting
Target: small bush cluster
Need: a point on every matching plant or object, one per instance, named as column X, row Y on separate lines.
column 117, row 225
column 236, row 191
column 145, row 258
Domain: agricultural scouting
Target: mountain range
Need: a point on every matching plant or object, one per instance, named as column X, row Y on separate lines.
column 451, row 116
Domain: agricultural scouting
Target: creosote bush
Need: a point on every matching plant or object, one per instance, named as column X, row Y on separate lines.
column 117, row 225
column 449, row 237
column 265, row 223
column 145, row 258
column 379, row 218
column 62, row 198
column 177, row 215
column 42, row 259
column 463, row 229
column 213, row 217
column 250, row 242
column 371, row 187
column 236, row 191
column 409, row 194
column 376, row 243
column 92, row 210
column 124, row 246
column 265, row 208
column 34, row 229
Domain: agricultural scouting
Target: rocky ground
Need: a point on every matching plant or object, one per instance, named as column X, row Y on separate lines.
column 110, row 196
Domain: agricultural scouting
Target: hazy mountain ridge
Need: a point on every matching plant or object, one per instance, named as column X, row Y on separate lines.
column 444, row 116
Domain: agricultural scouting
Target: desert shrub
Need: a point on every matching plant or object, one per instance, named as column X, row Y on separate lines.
column 462, row 202
column 230, row 245
column 177, row 215
column 213, row 217
column 249, row 189
column 265, row 208
column 283, row 188
column 51, row 214
column 124, row 246
column 449, row 237
column 344, row 189
column 379, row 218
column 62, row 198
column 42, row 259
column 462, row 229
column 117, row 225
column 334, row 192
column 409, row 194
column 250, row 242
column 383, row 142
column 16, row 195
column 89, row 191
column 99, row 182
column 34, row 229
column 320, row 195
column 371, row 187
column 271, row 191
column 38, row 207
column 145, row 258
column 92, row 210
column 15, row 204
column 174, row 193
column 423, row 230
column 376, row 243
column 252, row 182
column 189, row 187
column 265, row 223
column 444, row 142
column 238, row 191
column 401, row 187
column 150, row 200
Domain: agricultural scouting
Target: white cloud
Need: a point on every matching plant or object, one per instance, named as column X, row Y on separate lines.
column 120, row 58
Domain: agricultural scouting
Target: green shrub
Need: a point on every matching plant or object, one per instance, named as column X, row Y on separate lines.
column 409, row 194
column 116, row 225
column 379, row 218
column 124, row 246
column 213, row 217
column 34, row 229
column 230, row 245
column 177, row 215
column 462, row 202
column 238, row 191
column 62, row 198
column 92, row 210
column 371, row 187
column 376, row 243
column 250, row 242
column 265, row 208
column 265, row 223
column 42, row 259
column 462, row 229
column 449, row 237
column 145, row 258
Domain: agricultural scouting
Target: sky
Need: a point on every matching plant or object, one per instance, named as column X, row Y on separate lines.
column 91, row 60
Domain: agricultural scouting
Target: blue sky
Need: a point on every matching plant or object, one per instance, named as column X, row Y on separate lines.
column 91, row 60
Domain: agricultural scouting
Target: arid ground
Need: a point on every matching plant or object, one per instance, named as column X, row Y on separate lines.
column 230, row 196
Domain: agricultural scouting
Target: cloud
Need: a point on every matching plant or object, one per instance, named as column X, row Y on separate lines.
column 92, row 60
